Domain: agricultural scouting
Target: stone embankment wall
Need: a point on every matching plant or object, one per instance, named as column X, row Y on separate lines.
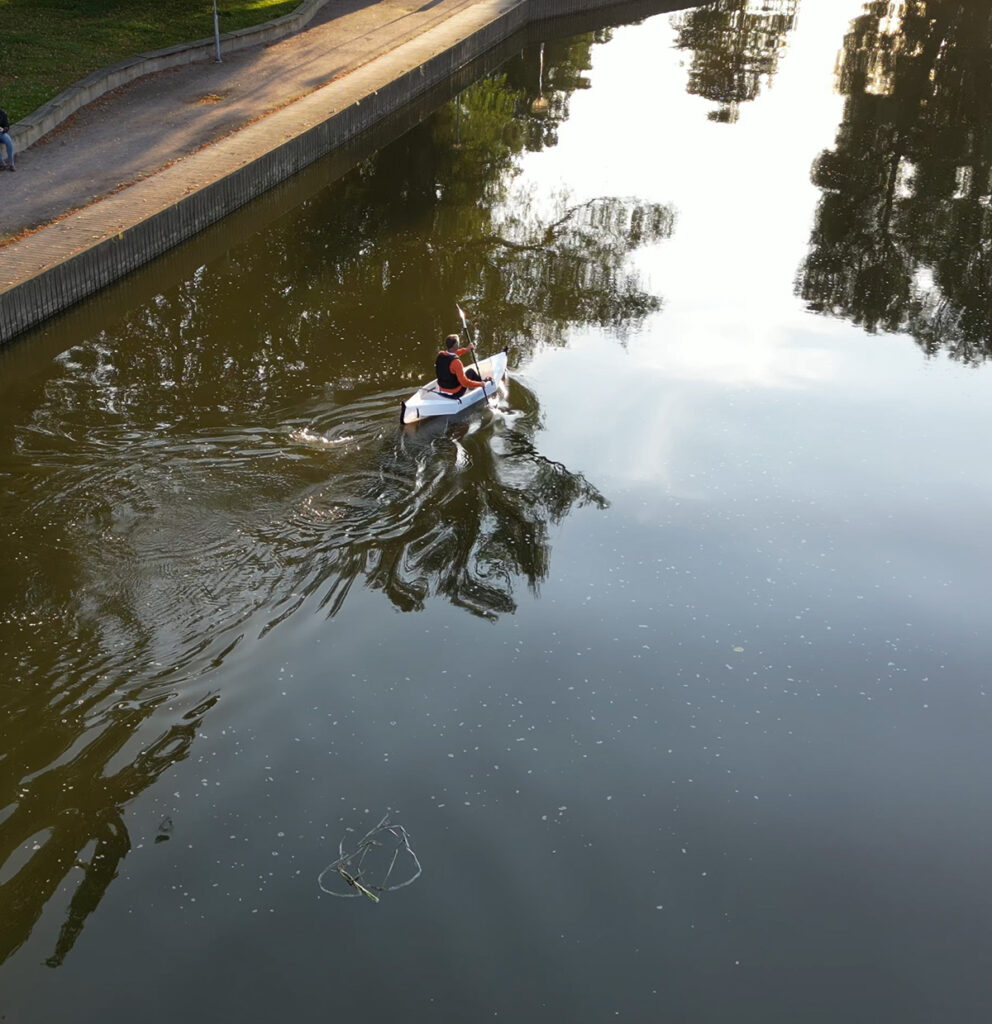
column 67, row 281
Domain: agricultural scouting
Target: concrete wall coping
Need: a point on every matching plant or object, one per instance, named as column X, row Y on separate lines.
column 50, row 115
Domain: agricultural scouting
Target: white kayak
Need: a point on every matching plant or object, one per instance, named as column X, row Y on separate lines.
column 427, row 401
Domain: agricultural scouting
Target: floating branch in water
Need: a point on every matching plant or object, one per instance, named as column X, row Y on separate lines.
column 382, row 861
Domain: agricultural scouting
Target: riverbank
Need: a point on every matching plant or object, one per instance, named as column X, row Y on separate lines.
column 151, row 164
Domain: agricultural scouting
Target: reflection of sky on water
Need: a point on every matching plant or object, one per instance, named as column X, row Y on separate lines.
column 742, row 192
column 737, row 418
column 743, row 204
column 865, row 473
column 733, row 351
column 840, row 394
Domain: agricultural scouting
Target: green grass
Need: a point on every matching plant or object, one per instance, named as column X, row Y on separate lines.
column 46, row 45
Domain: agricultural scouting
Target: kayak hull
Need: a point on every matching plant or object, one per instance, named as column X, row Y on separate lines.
column 427, row 402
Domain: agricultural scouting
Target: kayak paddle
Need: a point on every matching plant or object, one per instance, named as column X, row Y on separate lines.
column 475, row 358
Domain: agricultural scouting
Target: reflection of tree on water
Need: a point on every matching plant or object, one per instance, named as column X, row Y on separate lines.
column 430, row 221
column 487, row 521
column 736, row 46
column 903, row 232
column 70, row 806
column 163, row 515
column 444, row 510
column 544, row 274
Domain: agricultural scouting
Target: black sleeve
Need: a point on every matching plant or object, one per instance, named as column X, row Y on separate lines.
column 4, row 123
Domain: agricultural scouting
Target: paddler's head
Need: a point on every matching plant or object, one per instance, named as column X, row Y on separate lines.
column 451, row 342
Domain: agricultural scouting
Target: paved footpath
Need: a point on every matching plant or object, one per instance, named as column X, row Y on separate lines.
column 154, row 128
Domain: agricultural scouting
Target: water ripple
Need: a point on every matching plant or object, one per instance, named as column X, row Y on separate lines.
column 174, row 545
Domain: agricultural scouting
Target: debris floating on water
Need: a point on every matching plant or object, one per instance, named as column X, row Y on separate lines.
column 382, row 861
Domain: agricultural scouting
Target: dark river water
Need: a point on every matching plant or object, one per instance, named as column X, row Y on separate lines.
column 673, row 665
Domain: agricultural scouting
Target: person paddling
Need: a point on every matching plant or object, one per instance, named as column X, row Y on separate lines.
column 452, row 379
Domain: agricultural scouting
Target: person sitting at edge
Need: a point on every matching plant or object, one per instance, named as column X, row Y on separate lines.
column 452, row 379
column 6, row 141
